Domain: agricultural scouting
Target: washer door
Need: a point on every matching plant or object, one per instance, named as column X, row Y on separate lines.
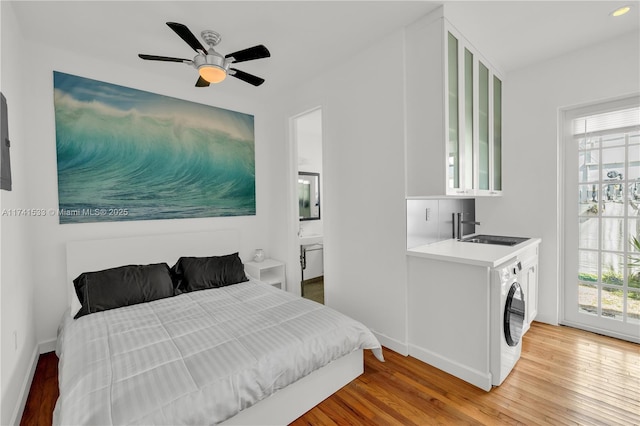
column 514, row 315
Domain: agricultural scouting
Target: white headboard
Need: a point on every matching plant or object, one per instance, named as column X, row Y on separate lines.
column 95, row 255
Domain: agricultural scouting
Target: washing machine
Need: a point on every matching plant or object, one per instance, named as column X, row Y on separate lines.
column 507, row 320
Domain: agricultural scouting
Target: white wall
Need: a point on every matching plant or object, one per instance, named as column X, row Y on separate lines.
column 532, row 99
column 18, row 342
column 364, row 205
column 309, row 137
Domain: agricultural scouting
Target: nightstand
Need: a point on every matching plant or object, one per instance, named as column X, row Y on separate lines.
column 270, row 271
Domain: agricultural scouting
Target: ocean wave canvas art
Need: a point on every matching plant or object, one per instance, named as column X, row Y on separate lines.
column 126, row 154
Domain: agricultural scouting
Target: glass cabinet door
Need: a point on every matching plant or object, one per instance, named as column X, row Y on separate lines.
column 453, row 165
column 468, row 120
column 483, row 127
column 497, row 134
column 474, row 120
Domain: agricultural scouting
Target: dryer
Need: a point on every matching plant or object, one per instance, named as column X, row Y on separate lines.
column 508, row 309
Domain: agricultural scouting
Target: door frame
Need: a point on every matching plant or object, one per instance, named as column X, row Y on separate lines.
column 293, row 208
column 566, row 200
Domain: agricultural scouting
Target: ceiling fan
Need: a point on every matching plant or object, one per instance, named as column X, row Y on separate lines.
column 211, row 65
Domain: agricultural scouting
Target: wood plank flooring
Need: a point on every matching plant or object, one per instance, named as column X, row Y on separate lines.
column 43, row 393
column 313, row 289
column 565, row 376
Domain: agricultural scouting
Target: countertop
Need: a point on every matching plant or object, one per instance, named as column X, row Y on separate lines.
column 489, row 255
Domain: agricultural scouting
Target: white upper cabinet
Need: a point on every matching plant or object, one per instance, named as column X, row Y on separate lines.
column 454, row 114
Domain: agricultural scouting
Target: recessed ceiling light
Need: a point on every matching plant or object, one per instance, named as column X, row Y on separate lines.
column 621, row 11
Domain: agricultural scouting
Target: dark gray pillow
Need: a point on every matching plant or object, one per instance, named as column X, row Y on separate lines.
column 200, row 273
column 122, row 286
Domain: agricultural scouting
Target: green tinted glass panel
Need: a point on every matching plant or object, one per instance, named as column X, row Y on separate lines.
column 454, row 143
column 483, row 127
column 497, row 134
column 468, row 118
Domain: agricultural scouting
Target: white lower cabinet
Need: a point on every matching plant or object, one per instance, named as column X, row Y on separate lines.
column 458, row 295
column 449, row 318
column 529, row 282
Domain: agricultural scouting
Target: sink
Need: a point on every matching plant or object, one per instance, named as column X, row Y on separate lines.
column 494, row 239
column 307, row 240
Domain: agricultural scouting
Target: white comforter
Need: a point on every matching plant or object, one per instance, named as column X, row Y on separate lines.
column 198, row 358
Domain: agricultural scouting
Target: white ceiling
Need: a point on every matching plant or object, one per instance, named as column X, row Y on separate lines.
column 304, row 37
column 515, row 34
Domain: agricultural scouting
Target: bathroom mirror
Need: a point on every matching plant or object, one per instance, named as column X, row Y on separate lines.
column 309, row 195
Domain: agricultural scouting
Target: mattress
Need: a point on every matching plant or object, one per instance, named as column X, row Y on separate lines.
column 197, row 358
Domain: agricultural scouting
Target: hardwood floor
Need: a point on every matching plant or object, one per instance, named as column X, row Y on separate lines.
column 43, row 393
column 565, row 376
column 314, row 289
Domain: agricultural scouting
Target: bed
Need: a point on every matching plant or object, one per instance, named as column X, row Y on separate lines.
column 246, row 353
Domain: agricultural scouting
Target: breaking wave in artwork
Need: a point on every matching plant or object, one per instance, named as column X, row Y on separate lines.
column 155, row 166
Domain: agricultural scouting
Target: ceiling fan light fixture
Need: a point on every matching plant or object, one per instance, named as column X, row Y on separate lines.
column 212, row 66
column 621, row 11
column 212, row 73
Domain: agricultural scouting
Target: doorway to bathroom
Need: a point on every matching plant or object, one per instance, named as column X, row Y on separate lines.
column 307, row 138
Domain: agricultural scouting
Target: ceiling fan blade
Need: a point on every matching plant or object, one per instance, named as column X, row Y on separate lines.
column 246, row 77
column 249, row 54
column 202, row 82
column 187, row 36
column 161, row 58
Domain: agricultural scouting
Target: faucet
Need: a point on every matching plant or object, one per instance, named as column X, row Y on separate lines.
column 461, row 222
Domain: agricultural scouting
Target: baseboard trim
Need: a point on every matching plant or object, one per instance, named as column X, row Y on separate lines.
column 26, row 387
column 393, row 344
column 603, row 332
column 47, row 346
column 551, row 320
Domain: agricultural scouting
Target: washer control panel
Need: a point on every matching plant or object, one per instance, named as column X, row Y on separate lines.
column 510, row 271
column 517, row 267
